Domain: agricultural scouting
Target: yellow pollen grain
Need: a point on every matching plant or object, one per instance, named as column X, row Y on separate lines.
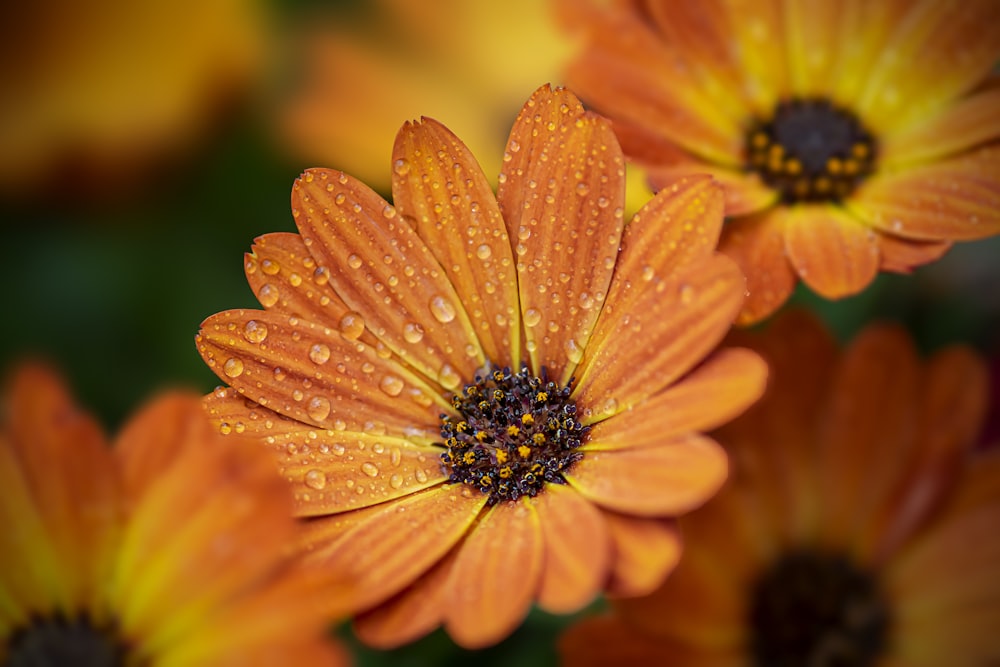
column 527, row 419
column 541, row 397
column 834, row 166
column 469, row 458
column 482, row 435
column 525, row 451
column 501, row 456
column 462, row 426
column 513, row 430
column 486, row 480
column 506, row 472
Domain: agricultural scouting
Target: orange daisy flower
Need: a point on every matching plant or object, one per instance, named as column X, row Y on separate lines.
column 165, row 550
column 858, row 526
column 850, row 136
column 487, row 400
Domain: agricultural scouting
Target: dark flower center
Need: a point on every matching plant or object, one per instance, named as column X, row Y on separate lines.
column 57, row 642
column 811, row 150
column 817, row 609
column 515, row 433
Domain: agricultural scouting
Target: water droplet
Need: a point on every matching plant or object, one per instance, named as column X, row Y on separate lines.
column 354, row 261
column 268, row 295
column 442, row 310
column 573, row 351
column 315, row 479
column 389, row 212
column 648, row 273
column 394, row 456
column 254, row 331
column 532, row 317
column 420, row 475
column 686, row 294
column 369, row 469
column 233, row 368
column 295, row 279
column 448, row 377
column 395, row 481
column 391, row 385
column 279, row 373
column 269, row 267
column 582, row 189
column 318, row 408
column 401, row 167
column 484, row 251
column 413, row 332
column 352, row 325
column 319, row 353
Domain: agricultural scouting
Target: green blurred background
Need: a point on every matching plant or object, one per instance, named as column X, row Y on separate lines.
column 109, row 275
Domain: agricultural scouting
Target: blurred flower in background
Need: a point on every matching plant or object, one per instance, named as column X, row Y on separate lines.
column 858, row 526
column 361, row 74
column 851, row 137
column 94, row 94
column 475, row 423
column 167, row 549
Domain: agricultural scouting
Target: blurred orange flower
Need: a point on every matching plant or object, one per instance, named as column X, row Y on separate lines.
column 489, row 400
column 851, row 136
column 167, row 549
column 361, row 77
column 90, row 89
column 858, row 526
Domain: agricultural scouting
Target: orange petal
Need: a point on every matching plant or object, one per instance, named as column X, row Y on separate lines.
column 577, row 550
column 411, row 614
column 562, row 194
column 745, row 193
column 757, row 245
column 628, row 72
column 645, row 552
column 968, row 122
column 317, row 376
column 653, row 330
column 725, row 385
column 283, row 275
column 831, row 251
column 440, row 189
column 388, row 551
column 935, row 52
column 903, row 255
column 759, row 46
column 491, row 589
column 814, row 39
column 343, row 471
column 73, row 482
column 953, row 200
column 662, row 480
column 864, row 28
column 385, row 272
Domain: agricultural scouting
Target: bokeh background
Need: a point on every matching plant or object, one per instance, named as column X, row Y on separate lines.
column 144, row 145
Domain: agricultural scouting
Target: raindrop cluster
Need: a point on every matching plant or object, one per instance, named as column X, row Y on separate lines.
column 515, row 433
column 811, row 150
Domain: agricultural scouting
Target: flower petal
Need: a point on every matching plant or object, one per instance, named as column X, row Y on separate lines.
column 577, row 550
column 968, row 122
column 936, row 51
column 440, row 189
column 381, row 268
column 491, row 589
column 384, row 554
column 714, row 393
column 652, row 331
column 831, row 251
column 283, row 275
column 73, row 484
column 953, row 200
column 757, row 245
column 662, row 480
column 645, row 552
column 412, row 613
column 903, row 255
column 745, row 193
column 814, row 39
column 562, row 194
column 315, row 375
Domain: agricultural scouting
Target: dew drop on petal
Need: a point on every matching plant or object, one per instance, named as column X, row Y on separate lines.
column 352, row 325
column 484, row 251
column 532, row 317
column 395, row 456
column 369, row 469
column 319, row 353
column 420, row 475
column 318, row 408
column 442, row 310
column 270, row 267
column 448, row 377
column 395, row 481
column 573, row 351
column 401, row 167
column 686, row 294
column 354, row 261
column 391, row 385
column 315, row 479
column 268, row 295
column 254, row 331
column 233, row 368
column 413, row 332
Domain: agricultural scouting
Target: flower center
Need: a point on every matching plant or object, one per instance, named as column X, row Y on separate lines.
column 57, row 641
column 811, row 150
column 515, row 433
column 817, row 609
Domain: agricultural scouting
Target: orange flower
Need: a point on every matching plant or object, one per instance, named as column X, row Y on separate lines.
column 165, row 550
column 414, row 369
column 858, row 526
column 851, row 136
